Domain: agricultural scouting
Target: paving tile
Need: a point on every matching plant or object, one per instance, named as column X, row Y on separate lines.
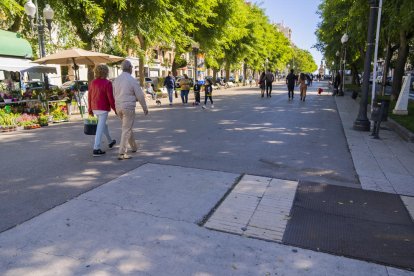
column 391, row 164
column 403, row 184
column 409, row 204
column 380, row 184
column 252, row 185
column 398, row 272
column 260, row 206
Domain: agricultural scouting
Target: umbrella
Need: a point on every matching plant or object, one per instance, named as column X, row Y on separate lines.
column 78, row 56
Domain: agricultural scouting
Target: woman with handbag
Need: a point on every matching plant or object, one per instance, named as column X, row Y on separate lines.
column 100, row 102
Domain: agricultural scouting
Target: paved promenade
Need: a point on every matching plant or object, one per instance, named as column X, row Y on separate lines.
column 165, row 219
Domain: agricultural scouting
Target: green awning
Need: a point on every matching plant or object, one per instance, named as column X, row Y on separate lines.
column 12, row 45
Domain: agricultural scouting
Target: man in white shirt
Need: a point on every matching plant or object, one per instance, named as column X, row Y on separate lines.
column 127, row 92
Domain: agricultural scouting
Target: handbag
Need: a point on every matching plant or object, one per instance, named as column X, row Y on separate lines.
column 176, row 95
column 90, row 125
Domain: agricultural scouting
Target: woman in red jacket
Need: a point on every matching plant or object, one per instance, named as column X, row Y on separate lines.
column 100, row 102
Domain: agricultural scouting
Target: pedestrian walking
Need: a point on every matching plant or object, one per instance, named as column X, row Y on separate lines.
column 127, row 92
column 208, row 90
column 290, row 81
column 197, row 89
column 336, row 84
column 308, row 80
column 270, row 78
column 169, row 83
column 185, row 88
column 262, row 83
column 302, row 86
column 100, row 102
column 250, row 80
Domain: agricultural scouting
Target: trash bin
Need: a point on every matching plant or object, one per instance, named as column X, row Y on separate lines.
column 385, row 104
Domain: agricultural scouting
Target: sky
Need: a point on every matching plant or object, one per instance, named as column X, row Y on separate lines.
column 301, row 17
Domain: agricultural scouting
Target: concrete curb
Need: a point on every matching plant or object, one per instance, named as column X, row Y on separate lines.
column 400, row 130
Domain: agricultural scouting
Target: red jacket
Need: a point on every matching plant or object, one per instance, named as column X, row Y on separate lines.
column 100, row 95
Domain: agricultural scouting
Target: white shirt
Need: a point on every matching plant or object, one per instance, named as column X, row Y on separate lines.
column 127, row 92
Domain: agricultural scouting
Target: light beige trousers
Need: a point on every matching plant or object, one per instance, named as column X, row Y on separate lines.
column 127, row 118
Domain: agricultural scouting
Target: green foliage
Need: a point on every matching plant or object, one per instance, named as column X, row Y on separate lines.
column 91, row 120
column 304, row 61
column 228, row 32
column 7, row 119
column 406, row 121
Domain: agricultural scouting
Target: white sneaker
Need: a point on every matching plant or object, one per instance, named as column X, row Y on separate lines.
column 212, row 106
column 203, row 107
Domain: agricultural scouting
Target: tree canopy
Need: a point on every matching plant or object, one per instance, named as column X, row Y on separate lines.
column 351, row 17
column 229, row 32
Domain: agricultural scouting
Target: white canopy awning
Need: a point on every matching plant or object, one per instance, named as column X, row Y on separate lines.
column 24, row 65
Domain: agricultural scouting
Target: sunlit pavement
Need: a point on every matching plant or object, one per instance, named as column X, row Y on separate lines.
column 146, row 223
column 152, row 220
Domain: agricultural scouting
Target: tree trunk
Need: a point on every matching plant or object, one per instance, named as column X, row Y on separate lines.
column 16, row 24
column 214, row 75
column 355, row 75
column 227, row 71
column 400, row 65
column 388, row 57
column 244, row 73
column 142, row 59
column 174, row 66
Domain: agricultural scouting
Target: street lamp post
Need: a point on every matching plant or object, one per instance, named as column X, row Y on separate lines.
column 339, row 69
column 31, row 10
column 344, row 40
column 362, row 123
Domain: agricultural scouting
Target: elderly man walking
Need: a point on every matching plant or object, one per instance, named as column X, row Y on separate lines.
column 127, row 92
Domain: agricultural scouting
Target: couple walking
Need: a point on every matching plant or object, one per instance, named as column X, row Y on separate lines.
column 291, row 79
column 265, row 81
column 121, row 97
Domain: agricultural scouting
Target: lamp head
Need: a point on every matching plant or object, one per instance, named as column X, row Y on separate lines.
column 48, row 13
column 30, row 9
column 344, row 38
column 337, row 53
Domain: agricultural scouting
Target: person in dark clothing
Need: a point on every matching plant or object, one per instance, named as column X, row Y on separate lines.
column 197, row 88
column 208, row 88
column 262, row 83
column 270, row 78
column 290, row 81
column 169, row 83
column 336, row 84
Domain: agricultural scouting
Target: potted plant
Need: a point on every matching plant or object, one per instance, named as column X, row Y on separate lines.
column 43, row 120
column 27, row 121
column 89, row 125
column 7, row 121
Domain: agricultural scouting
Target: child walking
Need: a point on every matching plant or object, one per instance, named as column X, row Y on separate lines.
column 197, row 89
column 208, row 89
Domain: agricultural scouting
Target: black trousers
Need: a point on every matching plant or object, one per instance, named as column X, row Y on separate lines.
column 197, row 96
column 208, row 97
column 290, row 90
column 268, row 89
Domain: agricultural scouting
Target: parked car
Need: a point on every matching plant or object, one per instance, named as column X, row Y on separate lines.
column 38, row 85
column 80, row 85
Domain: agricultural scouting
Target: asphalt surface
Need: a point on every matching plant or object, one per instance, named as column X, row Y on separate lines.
column 244, row 133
